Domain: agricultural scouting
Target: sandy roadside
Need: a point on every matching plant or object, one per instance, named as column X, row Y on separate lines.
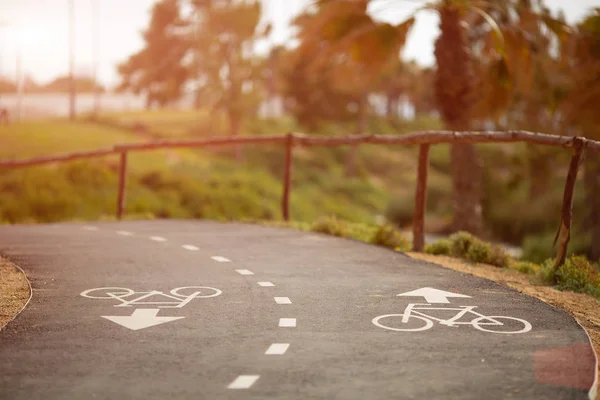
column 14, row 291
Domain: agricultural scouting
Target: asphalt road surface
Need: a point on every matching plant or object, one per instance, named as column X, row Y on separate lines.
column 200, row 310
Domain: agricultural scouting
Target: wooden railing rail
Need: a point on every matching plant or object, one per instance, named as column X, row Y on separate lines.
column 55, row 158
column 422, row 138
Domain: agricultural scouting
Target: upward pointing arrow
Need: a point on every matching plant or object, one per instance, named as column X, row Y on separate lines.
column 433, row 295
column 140, row 319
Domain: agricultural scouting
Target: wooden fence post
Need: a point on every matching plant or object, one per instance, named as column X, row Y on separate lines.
column 287, row 176
column 421, row 199
column 564, row 231
column 122, row 185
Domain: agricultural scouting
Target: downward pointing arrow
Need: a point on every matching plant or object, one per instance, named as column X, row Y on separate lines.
column 433, row 295
column 140, row 319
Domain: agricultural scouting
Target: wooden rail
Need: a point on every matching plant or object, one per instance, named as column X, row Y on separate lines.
column 422, row 138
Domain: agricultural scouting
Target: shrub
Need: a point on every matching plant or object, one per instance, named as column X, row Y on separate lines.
column 526, row 267
column 330, row 226
column 480, row 252
column 460, row 243
column 465, row 245
column 440, row 247
column 544, row 273
column 387, row 236
column 576, row 274
column 499, row 258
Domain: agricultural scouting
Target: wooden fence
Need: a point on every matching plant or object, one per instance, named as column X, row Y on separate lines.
column 424, row 139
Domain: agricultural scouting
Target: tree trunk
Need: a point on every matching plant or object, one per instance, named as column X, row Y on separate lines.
column 361, row 128
column 467, row 188
column 454, row 82
column 592, row 191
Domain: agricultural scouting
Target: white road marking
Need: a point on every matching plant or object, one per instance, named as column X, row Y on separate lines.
column 282, row 300
column 244, row 272
column 158, row 238
column 124, row 233
column 277, row 349
column 243, row 382
column 90, row 228
column 266, row 284
column 220, row 259
column 190, row 247
column 287, row 322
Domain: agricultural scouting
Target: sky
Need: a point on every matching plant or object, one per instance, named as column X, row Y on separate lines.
column 39, row 28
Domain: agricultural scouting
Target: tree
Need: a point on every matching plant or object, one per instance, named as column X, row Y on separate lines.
column 455, row 76
column 580, row 110
column 353, row 50
column 158, row 70
column 227, row 74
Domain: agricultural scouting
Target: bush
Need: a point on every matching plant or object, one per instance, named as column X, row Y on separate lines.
column 388, row 236
column 465, row 245
column 499, row 258
column 544, row 273
column 480, row 252
column 440, row 247
column 460, row 243
column 576, row 274
column 330, row 226
column 526, row 267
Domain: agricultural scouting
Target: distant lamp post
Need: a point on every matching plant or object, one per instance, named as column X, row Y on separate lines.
column 71, row 61
column 19, row 83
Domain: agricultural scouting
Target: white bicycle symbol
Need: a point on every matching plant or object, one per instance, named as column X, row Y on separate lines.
column 482, row 322
column 129, row 297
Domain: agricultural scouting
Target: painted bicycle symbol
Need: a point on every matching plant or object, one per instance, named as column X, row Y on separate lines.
column 414, row 312
column 176, row 298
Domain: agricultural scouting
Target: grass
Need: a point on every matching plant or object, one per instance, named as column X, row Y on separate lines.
column 37, row 138
column 200, row 180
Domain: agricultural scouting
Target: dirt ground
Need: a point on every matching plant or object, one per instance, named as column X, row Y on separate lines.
column 585, row 308
column 14, row 291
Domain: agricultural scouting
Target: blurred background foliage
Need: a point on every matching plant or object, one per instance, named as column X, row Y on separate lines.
column 510, row 64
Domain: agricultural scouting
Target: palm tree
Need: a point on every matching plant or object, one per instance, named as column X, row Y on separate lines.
column 455, row 78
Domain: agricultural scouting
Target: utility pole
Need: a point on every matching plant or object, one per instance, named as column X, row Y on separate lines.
column 71, row 61
column 19, row 81
column 96, row 53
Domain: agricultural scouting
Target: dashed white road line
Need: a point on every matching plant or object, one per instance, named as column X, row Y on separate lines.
column 266, row 284
column 124, row 233
column 282, row 300
column 243, row 382
column 158, row 238
column 277, row 349
column 190, row 247
column 220, row 259
column 90, row 228
column 287, row 322
column 244, row 272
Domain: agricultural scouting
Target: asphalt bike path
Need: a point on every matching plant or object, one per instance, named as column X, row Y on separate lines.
column 187, row 309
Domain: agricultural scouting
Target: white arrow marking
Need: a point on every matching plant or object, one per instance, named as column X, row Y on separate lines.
column 433, row 295
column 140, row 319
